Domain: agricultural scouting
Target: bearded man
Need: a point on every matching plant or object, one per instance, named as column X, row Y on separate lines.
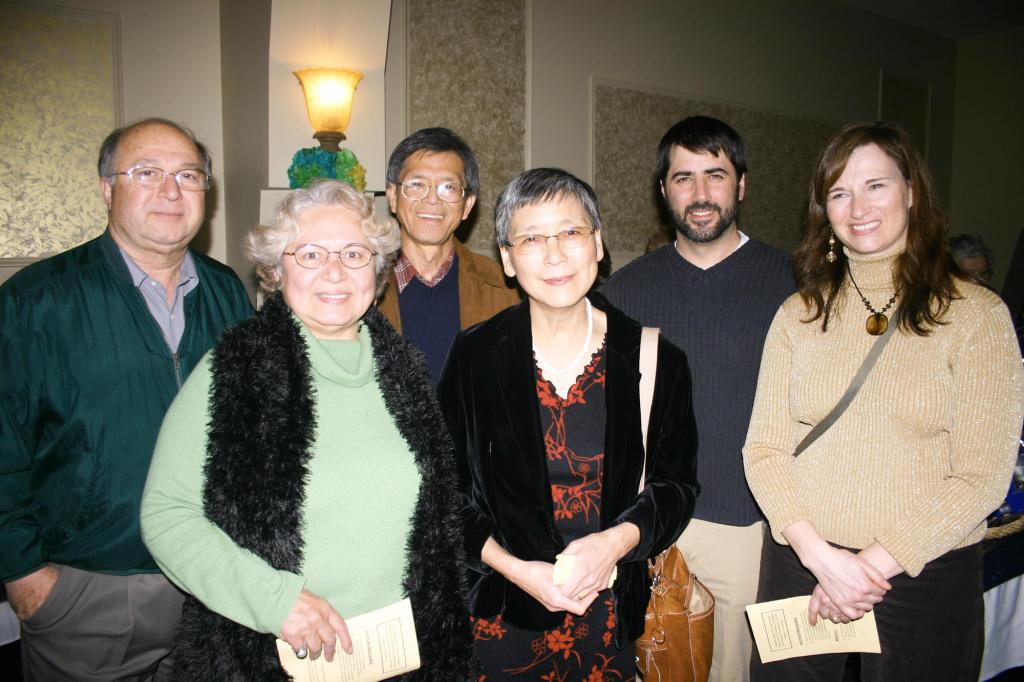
column 713, row 293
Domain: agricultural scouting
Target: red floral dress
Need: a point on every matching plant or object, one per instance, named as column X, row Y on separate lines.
column 581, row 648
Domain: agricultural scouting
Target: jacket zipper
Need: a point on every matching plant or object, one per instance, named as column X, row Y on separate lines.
column 177, row 368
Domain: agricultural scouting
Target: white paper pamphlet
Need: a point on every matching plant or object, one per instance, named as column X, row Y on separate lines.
column 383, row 645
column 782, row 630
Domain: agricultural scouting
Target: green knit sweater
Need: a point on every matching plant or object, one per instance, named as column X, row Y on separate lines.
column 359, row 499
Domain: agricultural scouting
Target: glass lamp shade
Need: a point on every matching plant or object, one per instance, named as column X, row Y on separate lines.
column 329, row 95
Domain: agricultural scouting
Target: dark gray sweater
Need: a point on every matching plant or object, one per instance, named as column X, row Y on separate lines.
column 719, row 317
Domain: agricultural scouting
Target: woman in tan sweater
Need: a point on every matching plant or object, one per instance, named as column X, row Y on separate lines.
column 886, row 509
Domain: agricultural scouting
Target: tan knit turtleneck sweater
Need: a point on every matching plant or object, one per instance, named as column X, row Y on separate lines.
column 926, row 449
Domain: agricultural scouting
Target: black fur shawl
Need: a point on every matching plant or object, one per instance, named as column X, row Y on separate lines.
column 262, row 426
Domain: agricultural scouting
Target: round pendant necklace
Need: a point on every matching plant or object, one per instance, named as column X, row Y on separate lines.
column 583, row 351
column 877, row 322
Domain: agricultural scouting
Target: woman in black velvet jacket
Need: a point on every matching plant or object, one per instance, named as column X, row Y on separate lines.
column 494, row 396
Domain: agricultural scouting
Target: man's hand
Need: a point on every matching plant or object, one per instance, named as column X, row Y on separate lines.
column 27, row 594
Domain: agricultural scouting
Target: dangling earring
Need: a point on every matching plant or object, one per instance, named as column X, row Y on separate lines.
column 831, row 255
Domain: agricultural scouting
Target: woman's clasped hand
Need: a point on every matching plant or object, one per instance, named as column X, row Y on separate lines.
column 536, row 578
column 848, row 585
column 595, row 558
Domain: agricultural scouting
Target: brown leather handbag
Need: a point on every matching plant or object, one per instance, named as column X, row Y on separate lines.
column 679, row 626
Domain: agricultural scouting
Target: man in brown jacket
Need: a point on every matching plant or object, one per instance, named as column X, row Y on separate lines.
column 438, row 286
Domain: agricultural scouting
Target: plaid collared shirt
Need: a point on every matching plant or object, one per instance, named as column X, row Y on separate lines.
column 405, row 271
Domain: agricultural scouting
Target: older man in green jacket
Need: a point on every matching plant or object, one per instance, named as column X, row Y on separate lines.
column 94, row 344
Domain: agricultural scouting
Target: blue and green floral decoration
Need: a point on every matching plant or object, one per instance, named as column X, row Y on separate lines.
column 312, row 163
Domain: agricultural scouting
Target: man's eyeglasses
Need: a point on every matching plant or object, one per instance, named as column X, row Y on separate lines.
column 569, row 238
column 189, row 179
column 448, row 192
column 314, row 256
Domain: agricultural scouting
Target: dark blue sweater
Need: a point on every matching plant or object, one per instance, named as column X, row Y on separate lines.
column 719, row 317
column 430, row 317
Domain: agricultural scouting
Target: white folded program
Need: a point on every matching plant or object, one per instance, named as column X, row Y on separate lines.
column 564, row 565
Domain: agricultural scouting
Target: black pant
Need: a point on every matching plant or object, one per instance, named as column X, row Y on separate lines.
column 931, row 627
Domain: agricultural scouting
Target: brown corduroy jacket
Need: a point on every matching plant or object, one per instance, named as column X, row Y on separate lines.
column 482, row 290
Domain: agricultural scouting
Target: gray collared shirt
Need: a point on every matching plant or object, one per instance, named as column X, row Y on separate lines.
column 170, row 318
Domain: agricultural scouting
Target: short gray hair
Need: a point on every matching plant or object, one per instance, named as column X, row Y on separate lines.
column 265, row 244
column 539, row 185
column 965, row 246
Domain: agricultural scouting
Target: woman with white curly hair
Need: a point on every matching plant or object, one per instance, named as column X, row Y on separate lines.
column 323, row 486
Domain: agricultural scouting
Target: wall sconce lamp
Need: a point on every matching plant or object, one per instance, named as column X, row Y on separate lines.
column 329, row 95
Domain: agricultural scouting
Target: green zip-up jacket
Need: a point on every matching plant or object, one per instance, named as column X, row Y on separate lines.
column 85, row 379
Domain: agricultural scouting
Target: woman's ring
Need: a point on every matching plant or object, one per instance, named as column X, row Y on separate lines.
column 301, row 652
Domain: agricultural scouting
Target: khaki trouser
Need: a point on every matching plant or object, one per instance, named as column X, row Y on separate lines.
column 726, row 559
column 95, row 626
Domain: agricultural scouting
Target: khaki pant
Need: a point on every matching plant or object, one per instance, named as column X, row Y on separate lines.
column 102, row 627
column 727, row 560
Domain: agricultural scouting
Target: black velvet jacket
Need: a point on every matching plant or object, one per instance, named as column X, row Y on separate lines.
column 262, row 425
column 489, row 398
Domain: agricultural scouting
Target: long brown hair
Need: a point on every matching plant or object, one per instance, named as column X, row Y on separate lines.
column 924, row 272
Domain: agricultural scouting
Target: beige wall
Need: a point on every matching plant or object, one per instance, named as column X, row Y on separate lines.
column 804, row 58
column 395, row 89
column 170, row 63
column 58, row 97
column 466, row 70
column 245, row 35
column 989, row 142
column 350, row 34
column 808, row 57
column 515, row 78
column 630, row 122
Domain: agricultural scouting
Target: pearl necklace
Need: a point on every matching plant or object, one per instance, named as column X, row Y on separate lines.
column 583, row 351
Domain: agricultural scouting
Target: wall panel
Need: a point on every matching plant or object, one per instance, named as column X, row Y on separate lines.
column 629, row 121
column 467, row 71
column 61, row 96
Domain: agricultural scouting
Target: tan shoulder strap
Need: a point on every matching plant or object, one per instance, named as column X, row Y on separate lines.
column 851, row 391
column 648, row 369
